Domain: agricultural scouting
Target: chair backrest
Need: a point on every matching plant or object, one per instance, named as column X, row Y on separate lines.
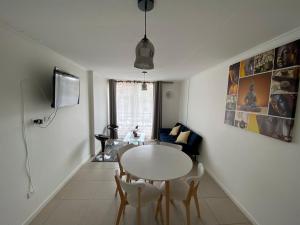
column 128, row 188
column 196, row 179
column 131, row 188
column 120, row 152
column 175, row 146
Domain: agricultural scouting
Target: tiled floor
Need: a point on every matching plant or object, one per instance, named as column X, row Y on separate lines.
column 88, row 199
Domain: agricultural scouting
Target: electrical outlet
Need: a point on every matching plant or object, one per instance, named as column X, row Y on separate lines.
column 38, row 121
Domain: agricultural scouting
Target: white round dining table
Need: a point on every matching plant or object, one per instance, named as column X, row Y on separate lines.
column 157, row 163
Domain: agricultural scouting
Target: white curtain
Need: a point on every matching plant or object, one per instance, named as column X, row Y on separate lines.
column 134, row 107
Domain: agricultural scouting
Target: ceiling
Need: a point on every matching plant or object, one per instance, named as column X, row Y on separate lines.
column 189, row 35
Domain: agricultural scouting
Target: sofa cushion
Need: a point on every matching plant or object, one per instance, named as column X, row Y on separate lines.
column 175, row 130
column 183, row 137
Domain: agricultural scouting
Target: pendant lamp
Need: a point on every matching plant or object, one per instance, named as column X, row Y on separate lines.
column 144, row 84
column 144, row 50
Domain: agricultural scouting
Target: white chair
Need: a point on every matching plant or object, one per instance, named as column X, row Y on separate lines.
column 138, row 195
column 177, row 147
column 184, row 190
column 122, row 173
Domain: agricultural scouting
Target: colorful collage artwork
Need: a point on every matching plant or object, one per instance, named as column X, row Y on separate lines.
column 262, row 92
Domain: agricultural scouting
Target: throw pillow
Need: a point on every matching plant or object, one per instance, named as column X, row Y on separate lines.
column 175, row 130
column 183, row 137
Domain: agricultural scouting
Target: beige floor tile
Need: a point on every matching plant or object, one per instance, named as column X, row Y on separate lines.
column 46, row 212
column 105, row 190
column 100, row 212
column 76, row 190
column 88, row 199
column 225, row 211
column 68, row 212
column 208, row 188
column 147, row 216
column 178, row 214
column 106, row 174
column 207, row 216
column 97, row 165
column 87, row 190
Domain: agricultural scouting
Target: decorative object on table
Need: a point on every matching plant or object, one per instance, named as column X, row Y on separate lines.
column 144, row 50
column 135, row 131
column 110, row 152
column 144, row 84
column 262, row 92
column 130, row 139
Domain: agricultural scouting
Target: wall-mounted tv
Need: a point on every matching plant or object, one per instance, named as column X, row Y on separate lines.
column 66, row 89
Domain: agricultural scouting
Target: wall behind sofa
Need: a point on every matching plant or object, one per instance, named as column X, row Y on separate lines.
column 56, row 151
column 260, row 173
column 171, row 93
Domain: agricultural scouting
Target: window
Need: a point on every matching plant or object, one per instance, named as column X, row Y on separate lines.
column 134, row 107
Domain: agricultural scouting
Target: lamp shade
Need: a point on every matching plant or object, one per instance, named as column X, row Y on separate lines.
column 144, row 54
column 144, row 86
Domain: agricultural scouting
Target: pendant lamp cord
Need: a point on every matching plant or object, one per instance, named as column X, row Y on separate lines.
column 146, row 17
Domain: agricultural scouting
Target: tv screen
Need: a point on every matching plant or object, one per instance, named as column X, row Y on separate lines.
column 66, row 89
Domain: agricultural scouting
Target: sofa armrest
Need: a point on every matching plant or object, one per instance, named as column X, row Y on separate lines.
column 165, row 130
column 194, row 140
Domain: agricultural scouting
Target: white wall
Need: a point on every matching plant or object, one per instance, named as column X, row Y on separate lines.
column 100, row 89
column 170, row 105
column 56, row 151
column 260, row 173
column 183, row 102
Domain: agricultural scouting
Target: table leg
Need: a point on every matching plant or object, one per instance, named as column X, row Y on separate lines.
column 167, row 202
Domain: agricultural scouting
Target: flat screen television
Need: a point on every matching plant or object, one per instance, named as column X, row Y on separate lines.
column 66, row 89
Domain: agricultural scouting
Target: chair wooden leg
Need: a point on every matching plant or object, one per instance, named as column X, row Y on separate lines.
column 197, row 204
column 116, row 192
column 159, row 210
column 124, row 211
column 161, row 213
column 158, row 207
column 122, row 207
column 138, row 216
column 172, row 202
column 188, row 214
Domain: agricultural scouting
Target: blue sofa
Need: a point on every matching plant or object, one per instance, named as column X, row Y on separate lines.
column 194, row 140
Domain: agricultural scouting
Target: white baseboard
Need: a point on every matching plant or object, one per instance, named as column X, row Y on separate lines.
column 231, row 196
column 57, row 189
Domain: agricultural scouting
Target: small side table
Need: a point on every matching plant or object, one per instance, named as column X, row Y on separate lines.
column 102, row 139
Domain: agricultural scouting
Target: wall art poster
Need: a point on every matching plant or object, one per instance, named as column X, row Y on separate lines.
column 262, row 92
